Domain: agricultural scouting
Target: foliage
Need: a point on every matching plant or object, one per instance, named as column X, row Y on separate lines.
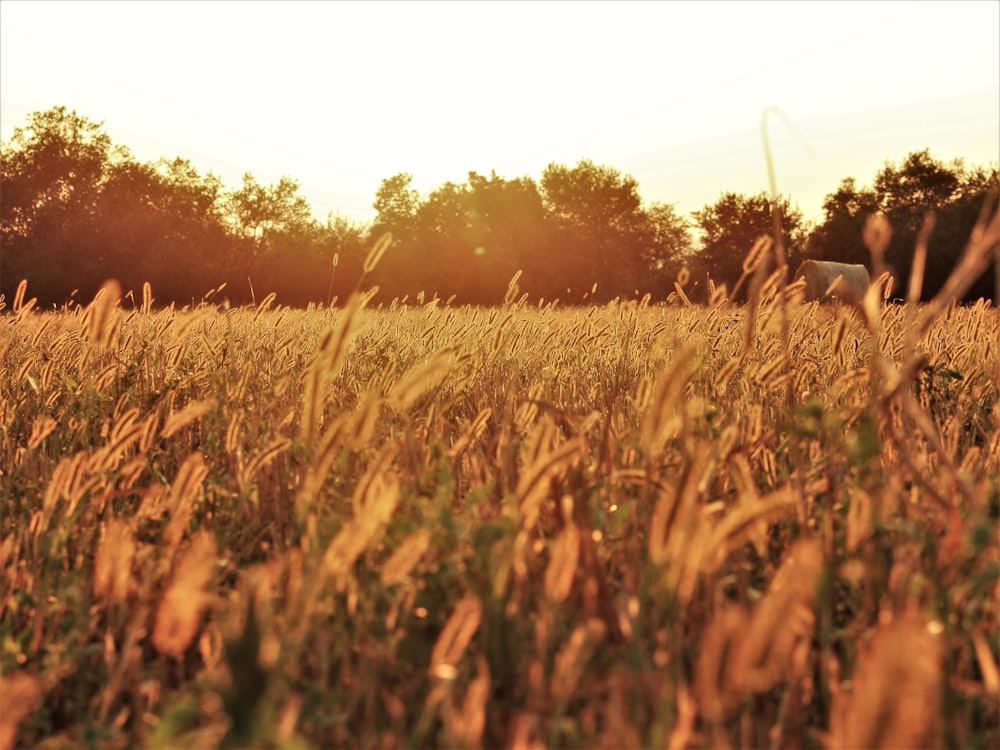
column 52, row 175
column 424, row 526
column 262, row 215
column 582, row 226
column 839, row 237
column 600, row 220
column 732, row 225
column 906, row 193
column 396, row 205
column 78, row 210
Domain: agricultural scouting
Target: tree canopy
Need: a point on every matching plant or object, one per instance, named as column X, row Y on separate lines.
column 906, row 193
column 77, row 209
column 732, row 225
column 580, row 226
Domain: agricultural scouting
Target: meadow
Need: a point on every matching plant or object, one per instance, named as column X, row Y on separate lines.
column 425, row 525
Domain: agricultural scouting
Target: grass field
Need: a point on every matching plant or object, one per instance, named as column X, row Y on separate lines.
column 428, row 526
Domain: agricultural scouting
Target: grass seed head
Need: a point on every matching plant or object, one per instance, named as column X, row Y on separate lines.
column 113, row 562
column 178, row 616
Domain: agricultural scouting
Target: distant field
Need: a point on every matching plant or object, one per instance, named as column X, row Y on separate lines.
column 626, row 526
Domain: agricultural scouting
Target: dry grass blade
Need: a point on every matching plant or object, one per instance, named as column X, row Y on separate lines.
column 183, row 491
column 913, row 410
column 474, row 432
column 747, row 521
column 266, row 456
column 781, row 619
column 233, row 432
column 326, row 363
column 532, row 487
column 373, row 482
column 562, row 566
column 67, row 482
column 42, row 427
column 178, row 616
column 670, row 506
column 718, row 295
column 664, row 416
column 192, row 319
column 859, row 519
column 264, row 305
column 680, row 293
column 422, row 378
column 837, row 344
column 330, row 444
column 18, row 302
column 101, row 324
column 725, row 373
column 378, row 250
column 190, row 413
column 757, row 278
column 573, row 657
column 376, row 500
column 405, row 558
column 919, row 261
column 678, row 525
column 987, row 664
column 22, row 693
column 380, row 499
column 113, row 562
column 513, row 290
column 770, row 374
column 464, row 724
column 345, row 549
column 455, row 637
column 364, row 421
column 714, row 690
column 761, row 247
column 876, row 235
column 894, row 697
column 125, row 431
column 687, row 713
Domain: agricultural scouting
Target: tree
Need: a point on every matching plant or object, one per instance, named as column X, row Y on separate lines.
column 264, row 215
column 194, row 198
column 596, row 212
column 920, row 185
column 511, row 233
column 51, row 179
column 586, row 224
column 465, row 239
column 344, row 236
column 341, row 248
column 838, row 237
column 732, row 225
column 77, row 210
column 396, row 208
column 954, row 225
column 666, row 239
column 161, row 222
column 473, row 237
column 906, row 193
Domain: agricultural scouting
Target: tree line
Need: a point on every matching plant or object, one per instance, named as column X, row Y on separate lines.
column 76, row 209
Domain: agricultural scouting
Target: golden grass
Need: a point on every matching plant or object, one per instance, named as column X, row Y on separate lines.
column 423, row 525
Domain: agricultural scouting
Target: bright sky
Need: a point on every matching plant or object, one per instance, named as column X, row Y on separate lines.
column 340, row 95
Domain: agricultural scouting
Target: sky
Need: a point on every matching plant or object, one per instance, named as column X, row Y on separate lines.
column 341, row 95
